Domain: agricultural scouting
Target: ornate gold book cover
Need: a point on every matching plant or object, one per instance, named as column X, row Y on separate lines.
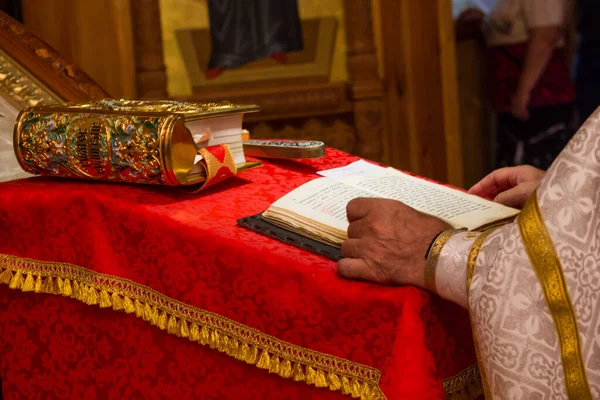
column 122, row 140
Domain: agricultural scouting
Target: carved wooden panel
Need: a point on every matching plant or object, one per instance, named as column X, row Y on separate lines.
column 289, row 102
column 366, row 86
column 151, row 76
column 422, row 99
column 62, row 77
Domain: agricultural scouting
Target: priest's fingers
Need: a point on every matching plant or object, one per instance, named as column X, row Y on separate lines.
column 355, row 268
column 505, row 178
column 358, row 228
column 351, row 248
column 517, row 196
column 359, row 208
column 494, row 183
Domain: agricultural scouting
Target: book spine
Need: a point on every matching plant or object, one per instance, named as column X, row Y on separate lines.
column 112, row 147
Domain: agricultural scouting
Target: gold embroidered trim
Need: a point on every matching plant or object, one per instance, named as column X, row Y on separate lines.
column 548, row 268
column 464, row 386
column 433, row 257
column 227, row 336
column 473, row 255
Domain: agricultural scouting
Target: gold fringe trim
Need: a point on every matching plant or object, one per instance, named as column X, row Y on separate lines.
column 464, row 386
column 227, row 336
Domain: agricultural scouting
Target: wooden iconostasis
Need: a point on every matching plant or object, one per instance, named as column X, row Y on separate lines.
column 377, row 78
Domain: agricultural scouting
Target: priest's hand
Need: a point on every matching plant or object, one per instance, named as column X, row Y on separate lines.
column 511, row 186
column 387, row 242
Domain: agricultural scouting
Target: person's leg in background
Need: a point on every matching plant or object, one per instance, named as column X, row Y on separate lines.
column 537, row 141
column 508, row 142
column 552, row 128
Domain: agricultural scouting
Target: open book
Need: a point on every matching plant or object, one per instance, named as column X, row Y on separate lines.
column 317, row 209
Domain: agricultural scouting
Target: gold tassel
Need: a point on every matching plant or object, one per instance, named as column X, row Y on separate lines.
column 252, row 355
column 6, row 276
column 334, row 381
column 183, row 329
column 147, row 312
column 311, row 375
column 104, row 298
column 297, row 373
column 92, row 296
column 117, row 302
column 264, row 361
column 321, row 380
column 355, row 389
column 460, row 395
column 214, row 339
column 155, row 316
column 162, row 320
column 76, row 290
column 204, row 335
column 172, row 325
column 473, row 390
column 47, row 287
column 223, row 344
column 285, row 369
column 54, row 288
column 139, row 308
column 234, row 348
column 16, row 282
column 29, row 284
column 67, row 289
column 85, row 290
column 244, row 350
column 38, row 284
column 346, row 387
column 365, row 393
column 274, row 367
column 60, row 285
column 128, row 305
column 194, row 332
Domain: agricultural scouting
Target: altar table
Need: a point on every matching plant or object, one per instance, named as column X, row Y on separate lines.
column 131, row 291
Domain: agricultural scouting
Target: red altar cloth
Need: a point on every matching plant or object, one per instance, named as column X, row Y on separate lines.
column 134, row 262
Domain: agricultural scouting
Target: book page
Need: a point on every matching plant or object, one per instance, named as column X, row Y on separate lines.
column 453, row 206
column 322, row 200
column 359, row 167
column 219, row 127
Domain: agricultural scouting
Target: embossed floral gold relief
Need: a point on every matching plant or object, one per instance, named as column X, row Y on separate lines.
column 119, row 148
column 21, row 89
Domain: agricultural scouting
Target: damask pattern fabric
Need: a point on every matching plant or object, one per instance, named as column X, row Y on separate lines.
column 190, row 248
column 517, row 337
column 451, row 274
